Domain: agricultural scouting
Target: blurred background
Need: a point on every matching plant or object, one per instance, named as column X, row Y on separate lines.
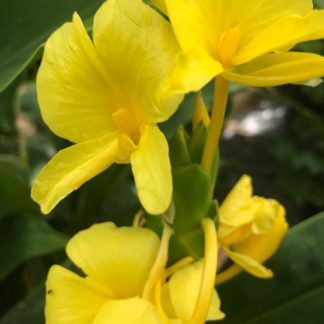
column 276, row 135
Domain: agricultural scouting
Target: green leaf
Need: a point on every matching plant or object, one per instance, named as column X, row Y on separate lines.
column 295, row 294
column 25, row 26
column 29, row 310
column 15, row 192
column 23, row 237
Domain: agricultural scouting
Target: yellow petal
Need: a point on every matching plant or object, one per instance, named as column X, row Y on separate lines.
column 73, row 94
column 160, row 4
column 238, row 199
column 72, row 167
column 119, row 259
column 282, row 33
column 193, row 23
column 179, row 295
column 253, row 16
column 263, row 246
column 278, row 69
column 138, row 47
column 249, row 264
column 266, row 214
column 152, row 171
column 128, row 311
column 70, row 298
column 190, row 73
column 200, row 113
column 258, row 247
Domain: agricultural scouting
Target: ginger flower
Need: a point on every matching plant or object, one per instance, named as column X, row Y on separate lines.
column 123, row 282
column 100, row 94
column 250, row 230
column 244, row 41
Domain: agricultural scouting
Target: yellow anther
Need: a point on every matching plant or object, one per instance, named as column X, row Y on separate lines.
column 228, row 45
column 200, row 112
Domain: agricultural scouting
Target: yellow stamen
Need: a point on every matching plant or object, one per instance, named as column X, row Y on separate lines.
column 208, row 276
column 227, row 274
column 228, row 46
column 216, row 124
column 178, row 265
column 157, row 271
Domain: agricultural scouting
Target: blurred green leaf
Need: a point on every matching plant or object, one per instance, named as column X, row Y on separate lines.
column 295, row 294
column 25, row 26
column 29, row 310
column 23, row 237
column 15, row 192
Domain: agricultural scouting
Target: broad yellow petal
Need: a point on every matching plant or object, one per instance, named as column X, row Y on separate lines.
column 128, row 311
column 179, row 295
column 278, row 69
column 235, row 202
column 118, row 259
column 70, row 298
column 249, row 264
column 72, row 167
column 74, row 96
column 282, row 33
column 193, row 22
column 160, row 4
column 137, row 46
column 190, row 73
column 152, row 171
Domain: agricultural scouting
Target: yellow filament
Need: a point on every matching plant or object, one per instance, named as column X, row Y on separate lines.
column 157, row 271
column 228, row 45
column 227, row 274
column 216, row 124
column 178, row 265
column 208, row 275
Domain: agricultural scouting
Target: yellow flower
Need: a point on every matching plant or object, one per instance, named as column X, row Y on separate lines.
column 244, row 41
column 250, row 230
column 101, row 95
column 122, row 268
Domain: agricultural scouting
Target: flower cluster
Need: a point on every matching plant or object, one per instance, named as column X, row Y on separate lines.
column 107, row 93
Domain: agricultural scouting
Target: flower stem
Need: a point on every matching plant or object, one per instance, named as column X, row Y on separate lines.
column 216, row 123
column 208, row 275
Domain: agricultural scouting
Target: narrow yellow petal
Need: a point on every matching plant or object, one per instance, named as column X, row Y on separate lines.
column 74, row 96
column 70, row 298
column 278, row 69
column 128, row 311
column 249, row 264
column 152, row 171
column 284, row 32
column 72, row 167
column 106, row 254
column 200, row 112
column 137, row 46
